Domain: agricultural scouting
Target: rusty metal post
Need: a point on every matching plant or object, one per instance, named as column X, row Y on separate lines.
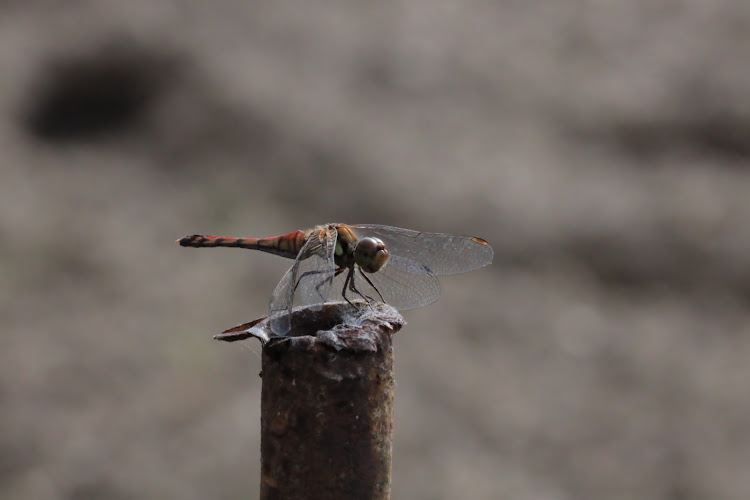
column 327, row 403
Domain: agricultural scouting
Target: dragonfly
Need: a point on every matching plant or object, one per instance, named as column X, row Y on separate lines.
column 360, row 263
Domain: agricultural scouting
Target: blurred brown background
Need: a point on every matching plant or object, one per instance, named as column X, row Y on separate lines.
column 602, row 148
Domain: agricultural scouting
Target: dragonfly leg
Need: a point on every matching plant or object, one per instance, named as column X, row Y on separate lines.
column 322, row 283
column 372, row 285
column 353, row 288
column 349, row 284
column 328, row 281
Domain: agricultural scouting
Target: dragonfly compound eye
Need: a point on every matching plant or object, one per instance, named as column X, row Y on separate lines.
column 370, row 254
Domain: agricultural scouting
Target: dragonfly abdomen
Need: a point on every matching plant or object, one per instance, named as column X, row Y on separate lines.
column 284, row 246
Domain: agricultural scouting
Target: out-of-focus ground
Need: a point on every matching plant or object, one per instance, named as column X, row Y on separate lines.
column 602, row 148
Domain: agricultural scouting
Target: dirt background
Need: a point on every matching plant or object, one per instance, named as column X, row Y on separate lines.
column 602, row 148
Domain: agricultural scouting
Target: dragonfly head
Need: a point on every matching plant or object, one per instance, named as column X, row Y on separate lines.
column 370, row 254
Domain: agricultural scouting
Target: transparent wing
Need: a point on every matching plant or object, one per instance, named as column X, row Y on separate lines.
column 310, row 279
column 441, row 253
column 402, row 283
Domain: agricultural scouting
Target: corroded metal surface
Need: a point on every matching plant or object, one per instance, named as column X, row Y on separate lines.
column 327, row 405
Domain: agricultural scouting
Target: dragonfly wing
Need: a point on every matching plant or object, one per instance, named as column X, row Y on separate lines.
column 316, row 272
column 404, row 284
column 310, row 278
column 282, row 301
column 442, row 253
